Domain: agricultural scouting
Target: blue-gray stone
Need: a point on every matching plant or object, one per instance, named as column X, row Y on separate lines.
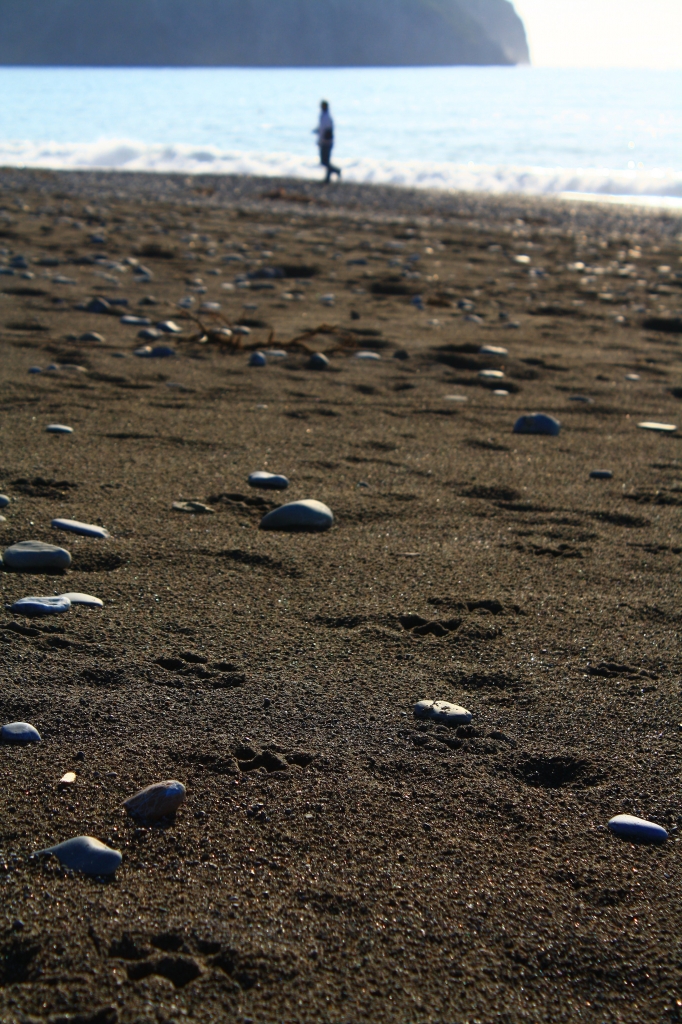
column 135, row 321
column 35, row 369
column 537, row 423
column 318, row 361
column 149, row 334
column 91, row 336
column 58, row 428
column 19, row 732
column 157, row 352
column 35, row 607
column 305, row 515
column 84, row 529
column 268, row 481
column 4, row 501
column 98, row 306
column 601, row 474
column 169, row 327
column 630, row 827
column 257, row 359
column 85, row 854
column 35, row 556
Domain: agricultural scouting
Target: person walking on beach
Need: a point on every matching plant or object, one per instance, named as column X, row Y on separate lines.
column 325, row 140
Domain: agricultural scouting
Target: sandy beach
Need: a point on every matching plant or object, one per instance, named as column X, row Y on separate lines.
column 337, row 859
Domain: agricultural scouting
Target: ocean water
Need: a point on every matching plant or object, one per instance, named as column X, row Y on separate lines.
column 583, row 133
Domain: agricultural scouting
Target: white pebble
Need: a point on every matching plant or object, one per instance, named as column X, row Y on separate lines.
column 307, row 514
column 493, row 350
column 19, row 732
column 86, row 599
column 664, row 428
column 84, row 529
column 442, row 711
column 58, row 428
column 373, row 356
column 67, row 779
column 630, row 827
column 490, row 374
column 85, row 854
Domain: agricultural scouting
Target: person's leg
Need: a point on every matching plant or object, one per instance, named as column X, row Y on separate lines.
column 331, row 169
column 325, row 152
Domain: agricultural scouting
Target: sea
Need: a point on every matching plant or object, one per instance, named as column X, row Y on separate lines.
column 611, row 135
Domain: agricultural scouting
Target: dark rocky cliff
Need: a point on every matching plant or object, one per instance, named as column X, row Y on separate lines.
column 260, row 33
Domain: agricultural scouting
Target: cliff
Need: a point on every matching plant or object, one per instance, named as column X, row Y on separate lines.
column 260, row 33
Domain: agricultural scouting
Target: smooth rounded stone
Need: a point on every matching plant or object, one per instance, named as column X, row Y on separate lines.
column 58, row 428
column 581, row 398
column 98, row 306
column 67, row 779
column 299, row 515
column 257, row 359
column 209, row 307
column 84, row 529
column 35, row 369
column 601, row 474
column 663, row 428
column 500, row 392
column 193, row 506
column 455, row 398
column 169, row 327
column 491, row 374
column 318, row 361
column 275, row 353
column 149, row 334
column 157, row 801
column 632, row 376
column 19, row 732
column 4, row 501
column 371, row 356
column 268, row 481
column 86, row 599
column 85, row 854
column 35, row 556
column 442, row 711
column 92, row 336
column 493, row 350
column 241, row 329
column 136, row 321
column 156, row 352
column 3, row 519
column 35, row 607
column 537, row 423
column 630, row 827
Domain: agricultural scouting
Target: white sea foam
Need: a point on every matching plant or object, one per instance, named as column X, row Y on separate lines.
column 650, row 187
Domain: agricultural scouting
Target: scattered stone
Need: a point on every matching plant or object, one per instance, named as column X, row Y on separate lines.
column 318, row 361
column 85, row 854
column 19, row 732
column 442, row 711
column 149, row 334
column 581, row 398
column 492, row 350
column 193, row 506
column 601, row 474
column 136, row 321
column 169, row 327
column 67, row 779
column 35, row 556
column 34, row 607
column 632, row 376
column 664, row 428
column 372, row 356
column 500, row 392
column 58, row 428
column 328, row 300
column 240, row 329
column 35, row 369
column 304, row 515
column 268, row 481
column 4, row 501
column 537, row 423
column 157, row 801
column 630, row 827
column 491, row 374
column 86, row 599
column 456, row 398
column 92, row 336
column 98, row 306
column 257, row 359
column 84, row 529
column 275, row 353
column 157, row 352
column 209, row 307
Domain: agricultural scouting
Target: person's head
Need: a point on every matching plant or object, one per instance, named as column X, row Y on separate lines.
column 324, row 106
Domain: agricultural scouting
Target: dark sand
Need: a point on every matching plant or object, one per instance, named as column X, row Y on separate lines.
column 386, row 869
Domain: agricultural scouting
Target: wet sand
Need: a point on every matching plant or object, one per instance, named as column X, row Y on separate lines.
column 336, row 859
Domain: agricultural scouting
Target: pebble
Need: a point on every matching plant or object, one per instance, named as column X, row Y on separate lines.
column 136, row 321
column 307, row 514
column 581, row 398
column 186, row 303
column 19, row 732
column 537, row 423
column 240, row 329
column 492, row 350
column 85, row 854
column 192, row 506
column 157, row 801
column 4, row 501
column 601, row 474
column 442, row 711
column 35, row 556
column 328, row 300
column 67, row 779
column 60, row 279
column 84, row 529
column 257, row 359
column 318, row 361
column 491, row 374
column 501, row 392
column 98, row 306
column 34, row 607
column 630, row 827
column 92, row 336
column 456, row 398
column 268, row 481
column 58, row 428
column 276, row 353
column 169, row 327
column 35, row 369
column 209, row 307
column 149, row 334
column 632, row 376
column 664, row 428
column 87, row 599
column 157, row 352
column 373, row 356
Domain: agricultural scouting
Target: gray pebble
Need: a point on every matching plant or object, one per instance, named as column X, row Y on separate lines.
column 19, row 732
column 35, row 556
column 157, row 801
column 85, row 854
column 305, row 515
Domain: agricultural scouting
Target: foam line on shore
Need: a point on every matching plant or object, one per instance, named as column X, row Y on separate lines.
column 644, row 187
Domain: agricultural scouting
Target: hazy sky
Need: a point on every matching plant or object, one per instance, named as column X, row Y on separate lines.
column 604, row 33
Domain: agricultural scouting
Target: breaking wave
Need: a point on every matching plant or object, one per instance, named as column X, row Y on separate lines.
column 641, row 187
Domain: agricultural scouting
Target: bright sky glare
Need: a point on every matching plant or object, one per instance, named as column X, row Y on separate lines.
column 603, row 33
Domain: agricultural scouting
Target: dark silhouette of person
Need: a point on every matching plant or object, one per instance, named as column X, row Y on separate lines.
column 325, row 140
